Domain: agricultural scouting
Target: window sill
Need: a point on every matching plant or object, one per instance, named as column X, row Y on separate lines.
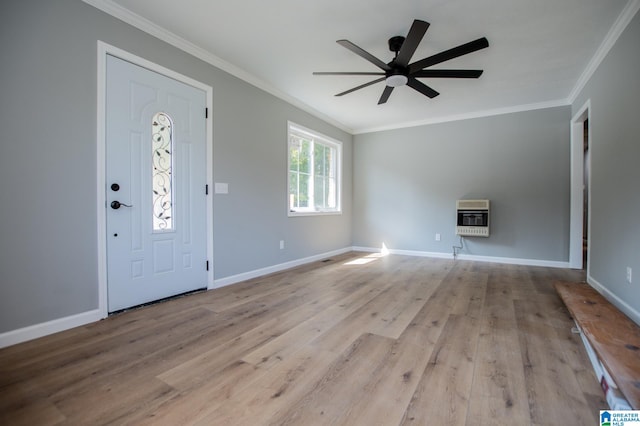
column 313, row 213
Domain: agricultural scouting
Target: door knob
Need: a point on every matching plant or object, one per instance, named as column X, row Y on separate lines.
column 117, row 204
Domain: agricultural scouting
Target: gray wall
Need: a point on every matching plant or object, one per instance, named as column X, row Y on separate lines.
column 403, row 187
column 614, row 92
column 48, row 162
column 406, row 183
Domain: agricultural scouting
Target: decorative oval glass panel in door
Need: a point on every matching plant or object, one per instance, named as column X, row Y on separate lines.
column 162, row 180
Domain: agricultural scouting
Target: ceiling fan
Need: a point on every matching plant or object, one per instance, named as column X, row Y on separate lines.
column 399, row 71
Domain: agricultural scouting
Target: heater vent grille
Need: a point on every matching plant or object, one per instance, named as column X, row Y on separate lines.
column 472, row 218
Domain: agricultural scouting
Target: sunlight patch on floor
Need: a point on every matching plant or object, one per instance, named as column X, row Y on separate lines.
column 384, row 251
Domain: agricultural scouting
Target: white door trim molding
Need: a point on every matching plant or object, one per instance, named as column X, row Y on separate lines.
column 577, row 186
column 105, row 49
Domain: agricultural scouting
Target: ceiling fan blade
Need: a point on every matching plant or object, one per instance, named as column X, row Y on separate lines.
column 411, row 42
column 364, row 54
column 447, row 73
column 385, row 95
column 346, row 73
column 455, row 52
column 422, row 88
column 377, row 80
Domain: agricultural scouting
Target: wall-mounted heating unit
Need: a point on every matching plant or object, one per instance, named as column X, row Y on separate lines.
column 472, row 218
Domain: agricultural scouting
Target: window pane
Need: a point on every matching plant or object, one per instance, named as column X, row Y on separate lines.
column 332, row 198
column 319, row 192
column 162, row 164
column 318, row 159
column 293, row 190
column 294, row 159
column 295, row 147
column 329, row 167
column 303, row 194
column 305, row 157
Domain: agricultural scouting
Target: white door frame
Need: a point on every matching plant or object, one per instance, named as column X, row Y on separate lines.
column 105, row 49
column 577, row 188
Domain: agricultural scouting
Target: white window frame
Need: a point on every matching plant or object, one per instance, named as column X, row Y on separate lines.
column 315, row 137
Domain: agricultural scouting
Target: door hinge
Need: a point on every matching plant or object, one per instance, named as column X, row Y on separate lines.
column 206, row 113
column 206, row 189
column 207, row 265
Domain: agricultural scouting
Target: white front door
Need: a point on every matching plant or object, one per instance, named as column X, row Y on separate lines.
column 155, row 186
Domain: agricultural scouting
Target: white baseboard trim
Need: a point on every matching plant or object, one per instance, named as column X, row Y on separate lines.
column 43, row 329
column 405, row 252
column 515, row 261
column 493, row 259
column 38, row 330
column 233, row 279
column 31, row 332
column 615, row 300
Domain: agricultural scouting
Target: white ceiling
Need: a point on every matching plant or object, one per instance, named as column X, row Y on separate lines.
column 537, row 54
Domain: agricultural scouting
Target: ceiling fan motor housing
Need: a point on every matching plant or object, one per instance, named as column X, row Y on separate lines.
column 395, row 43
column 397, row 76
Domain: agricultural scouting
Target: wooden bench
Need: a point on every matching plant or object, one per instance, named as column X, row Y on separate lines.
column 614, row 337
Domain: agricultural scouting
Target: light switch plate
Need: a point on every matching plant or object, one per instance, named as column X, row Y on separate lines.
column 222, row 188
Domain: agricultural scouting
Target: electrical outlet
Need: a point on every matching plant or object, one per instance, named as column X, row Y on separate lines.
column 281, row 244
column 629, row 274
column 437, row 237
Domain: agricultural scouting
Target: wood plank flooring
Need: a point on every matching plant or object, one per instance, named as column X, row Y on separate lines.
column 360, row 339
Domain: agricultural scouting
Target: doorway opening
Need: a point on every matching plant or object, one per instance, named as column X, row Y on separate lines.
column 580, row 180
column 585, row 203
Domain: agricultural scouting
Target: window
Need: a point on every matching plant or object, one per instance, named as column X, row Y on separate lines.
column 314, row 172
column 162, row 180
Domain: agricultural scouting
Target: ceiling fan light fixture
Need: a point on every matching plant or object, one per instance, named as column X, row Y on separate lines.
column 398, row 72
column 396, row 80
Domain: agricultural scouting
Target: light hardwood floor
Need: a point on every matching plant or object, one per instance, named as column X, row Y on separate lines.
column 356, row 340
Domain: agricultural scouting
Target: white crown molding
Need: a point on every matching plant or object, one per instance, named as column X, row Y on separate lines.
column 149, row 27
column 468, row 115
column 143, row 24
column 612, row 36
